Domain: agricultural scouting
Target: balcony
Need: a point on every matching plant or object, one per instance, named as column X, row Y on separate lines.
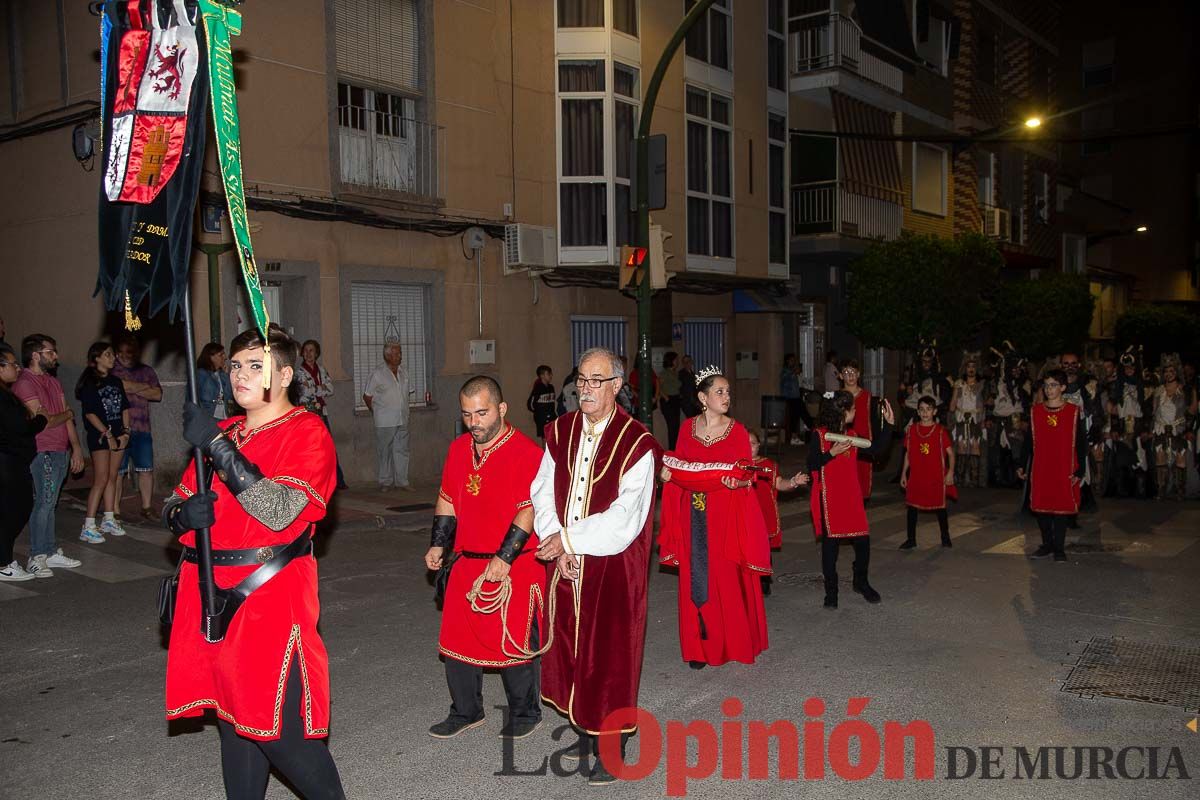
column 827, row 207
column 386, row 153
column 832, row 41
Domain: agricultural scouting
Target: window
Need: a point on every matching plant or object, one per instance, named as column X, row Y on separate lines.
column 1041, row 197
column 709, row 39
column 1061, row 196
column 589, row 332
column 1074, row 256
column 627, row 94
column 581, row 13
column 583, row 198
column 985, row 56
column 1097, row 58
column 931, row 37
column 625, row 16
column 383, row 312
column 874, row 368
column 985, row 168
column 704, row 341
column 709, row 174
column 929, row 179
column 777, row 189
column 776, row 46
column 377, row 145
column 378, row 43
column 1093, row 121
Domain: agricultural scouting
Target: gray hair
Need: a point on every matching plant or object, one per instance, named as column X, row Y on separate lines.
column 614, row 360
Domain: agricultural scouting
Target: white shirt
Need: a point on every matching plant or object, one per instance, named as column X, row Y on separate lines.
column 389, row 396
column 603, row 533
column 832, row 380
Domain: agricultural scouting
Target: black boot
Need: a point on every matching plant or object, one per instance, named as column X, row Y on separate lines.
column 863, row 587
column 831, row 591
column 909, row 543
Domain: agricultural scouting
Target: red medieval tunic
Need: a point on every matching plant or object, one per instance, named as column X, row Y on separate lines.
column 1055, row 460
column 836, row 500
column 862, row 424
column 768, row 499
column 487, row 490
column 926, row 449
column 594, row 666
column 708, row 528
column 244, row 676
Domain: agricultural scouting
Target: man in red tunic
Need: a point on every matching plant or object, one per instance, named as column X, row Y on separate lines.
column 484, row 513
column 1057, row 460
column 593, row 504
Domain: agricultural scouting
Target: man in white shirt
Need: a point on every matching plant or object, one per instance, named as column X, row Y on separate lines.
column 593, row 501
column 833, row 376
column 387, row 395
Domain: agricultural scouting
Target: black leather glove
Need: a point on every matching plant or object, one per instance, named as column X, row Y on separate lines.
column 199, row 427
column 513, row 544
column 442, row 534
column 234, row 469
column 195, row 512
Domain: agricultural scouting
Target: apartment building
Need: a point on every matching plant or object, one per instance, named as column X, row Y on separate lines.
column 390, row 147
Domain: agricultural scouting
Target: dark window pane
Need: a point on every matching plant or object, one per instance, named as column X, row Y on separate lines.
column 775, row 179
column 778, row 240
column 581, row 76
column 583, row 137
column 721, row 168
column 626, row 118
column 985, row 57
column 776, row 63
column 775, row 15
column 1097, row 76
column 697, row 37
column 720, row 39
column 625, row 16
column 581, row 13
column 722, row 230
column 625, row 81
column 697, row 157
column 720, row 110
column 624, row 223
column 584, row 214
column 814, row 158
column 776, row 127
column 697, row 226
column 697, row 103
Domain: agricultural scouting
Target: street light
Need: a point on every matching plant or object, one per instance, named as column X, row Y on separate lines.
column 1033, row 122
column 1140, row 229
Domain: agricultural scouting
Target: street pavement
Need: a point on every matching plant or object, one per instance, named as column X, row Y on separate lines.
column 975, row 640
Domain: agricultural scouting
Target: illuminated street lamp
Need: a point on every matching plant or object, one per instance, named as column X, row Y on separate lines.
column 1140, row 229
column 1033, row 122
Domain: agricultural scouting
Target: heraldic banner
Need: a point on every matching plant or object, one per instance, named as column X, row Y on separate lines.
column 153, row 101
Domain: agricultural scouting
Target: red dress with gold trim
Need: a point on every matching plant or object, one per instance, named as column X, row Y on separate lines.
column 768, row 500
column 243, row 677
column 487, row 490
column 862, row 424
column 1054, row 460
column 836, row 501
column 926, row 448
column 731, row 625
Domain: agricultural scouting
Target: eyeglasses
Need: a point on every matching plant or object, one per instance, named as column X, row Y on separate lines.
column 594, row 383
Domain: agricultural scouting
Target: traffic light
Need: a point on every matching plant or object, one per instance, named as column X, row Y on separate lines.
column 658, row 257
column 632, row 261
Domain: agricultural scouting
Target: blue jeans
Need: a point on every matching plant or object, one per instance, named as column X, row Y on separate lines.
column 49, row 470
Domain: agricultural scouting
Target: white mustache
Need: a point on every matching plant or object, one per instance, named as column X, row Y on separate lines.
column 585, row 396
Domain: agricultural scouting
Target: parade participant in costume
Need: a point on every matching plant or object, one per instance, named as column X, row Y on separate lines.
column 1171, row 448
column 928, row 472
column 712, row 529
column 593, row 501
column 485, row 516
column 1080, row 391
column 268, row 679
column 1126, row 410
column 924, row 379
column 851, row 375
column 1057, row 459
column 967, row 408
column 837, row 507
column 768, row 483
column 1014, row 393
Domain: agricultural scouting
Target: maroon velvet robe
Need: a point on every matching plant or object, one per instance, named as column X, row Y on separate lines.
column 594, row 666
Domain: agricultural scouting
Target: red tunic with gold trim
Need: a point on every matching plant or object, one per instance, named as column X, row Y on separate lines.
column 1054, row 460
column 729, row 623
column 487, row 490
column 595, row 665
column 836, row 500
column 768, row 500
column 926, row 448
column 862, row 424
column 243, row 677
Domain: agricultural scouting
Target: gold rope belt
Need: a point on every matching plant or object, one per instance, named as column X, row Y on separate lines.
column 490, row 601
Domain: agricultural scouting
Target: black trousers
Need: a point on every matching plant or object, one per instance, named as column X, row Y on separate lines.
column 671, row 408
column 306, row 763
column 16, row 503
column 1054, row 531
column 942, row 518
column 797, row 411
column 522, row 686
column 829, row 555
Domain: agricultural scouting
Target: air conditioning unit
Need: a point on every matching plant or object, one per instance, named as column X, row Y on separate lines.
column 997, row 223
column 529, row 247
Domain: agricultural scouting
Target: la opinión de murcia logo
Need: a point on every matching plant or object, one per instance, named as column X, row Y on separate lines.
column 854, row 749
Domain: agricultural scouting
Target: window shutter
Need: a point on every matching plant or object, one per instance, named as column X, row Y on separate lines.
column 378, row 43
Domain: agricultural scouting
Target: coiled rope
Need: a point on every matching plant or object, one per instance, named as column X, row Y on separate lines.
column 491, row 601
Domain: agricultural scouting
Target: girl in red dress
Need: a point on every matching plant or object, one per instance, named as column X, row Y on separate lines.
column 268, row 678
column 927, row 476
column 768, row 483
column 851, row 374
column 837, row 502
column 713, row 530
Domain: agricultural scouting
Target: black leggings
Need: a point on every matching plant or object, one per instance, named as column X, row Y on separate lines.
column 943, row 523
column 829, row 554
column 305, row 763
column 16, row 503
column 1054, row 531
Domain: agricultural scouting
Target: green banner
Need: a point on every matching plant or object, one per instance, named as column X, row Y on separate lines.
column 221, row 22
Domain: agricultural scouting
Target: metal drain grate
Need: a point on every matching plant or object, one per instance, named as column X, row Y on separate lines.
column 1145, row 673
column 1087, row 547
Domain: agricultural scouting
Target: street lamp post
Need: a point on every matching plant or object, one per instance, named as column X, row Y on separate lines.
column 642, row 228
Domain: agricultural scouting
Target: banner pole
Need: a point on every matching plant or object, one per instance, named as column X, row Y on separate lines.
column 208, row 595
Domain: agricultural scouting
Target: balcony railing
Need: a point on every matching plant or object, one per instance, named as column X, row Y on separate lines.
column 828, row 207
column 832, row 41
column 385, row 152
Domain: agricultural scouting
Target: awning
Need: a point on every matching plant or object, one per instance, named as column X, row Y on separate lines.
column 869, row 167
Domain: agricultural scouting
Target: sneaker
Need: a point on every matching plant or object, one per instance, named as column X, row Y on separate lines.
column 91, row 536
column 451, row 727
column 600, row 776
column 58, row 559
column 575, row 752
column 1042, row 552
column 519, row 728
column 38, row 567
column 112, row 527
column 13, row 572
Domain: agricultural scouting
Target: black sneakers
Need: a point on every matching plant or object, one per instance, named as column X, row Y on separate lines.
column 451, row 727
column 1042, row 552
column 519, row 728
